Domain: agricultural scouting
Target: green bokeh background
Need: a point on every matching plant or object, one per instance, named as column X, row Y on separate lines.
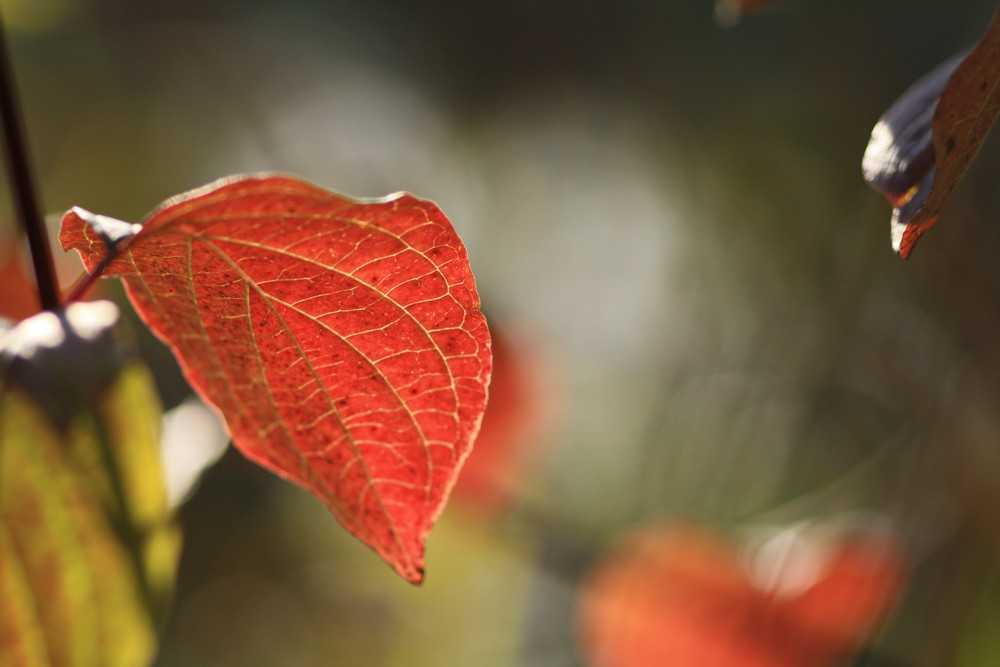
column 670, row 211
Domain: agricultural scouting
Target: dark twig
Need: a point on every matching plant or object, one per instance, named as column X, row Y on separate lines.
column 22, row 184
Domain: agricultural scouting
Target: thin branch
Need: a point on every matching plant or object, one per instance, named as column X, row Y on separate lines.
column 22, row 184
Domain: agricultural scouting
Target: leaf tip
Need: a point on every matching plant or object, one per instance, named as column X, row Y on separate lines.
column 905, row 234
column 408, row 566
column 411, row 566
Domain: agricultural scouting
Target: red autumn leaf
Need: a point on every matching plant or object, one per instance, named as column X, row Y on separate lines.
column 341, row 340
column 861, row 579
column 516, row 411
column 682, row 596
column 18, row 295
column 922, row 146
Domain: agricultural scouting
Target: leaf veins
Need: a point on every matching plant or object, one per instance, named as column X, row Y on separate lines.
column 340, row 339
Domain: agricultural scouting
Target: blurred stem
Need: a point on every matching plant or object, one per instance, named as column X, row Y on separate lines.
column 86, row 281
column 81, row 286
column 22, row 183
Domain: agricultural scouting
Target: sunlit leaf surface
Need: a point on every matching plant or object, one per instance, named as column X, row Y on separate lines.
column 341, row 339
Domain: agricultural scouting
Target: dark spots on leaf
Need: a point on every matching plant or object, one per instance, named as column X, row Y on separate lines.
column 949, row 145
column 353, row 376
column 448, row 345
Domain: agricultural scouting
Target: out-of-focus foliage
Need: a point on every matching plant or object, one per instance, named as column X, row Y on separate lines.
column 679, row 595
column 670, row 211
column 87, row 554
column 513, row 427
column 18, row 298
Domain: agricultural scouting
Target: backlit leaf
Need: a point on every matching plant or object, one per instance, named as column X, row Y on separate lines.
column 340, row 339
column 87, row 552
column 921, row 147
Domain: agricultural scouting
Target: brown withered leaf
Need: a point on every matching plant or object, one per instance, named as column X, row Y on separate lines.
column 921, row 147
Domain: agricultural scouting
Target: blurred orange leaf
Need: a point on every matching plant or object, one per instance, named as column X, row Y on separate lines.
column 683, row 596
column 512, row 421
column 18, row 295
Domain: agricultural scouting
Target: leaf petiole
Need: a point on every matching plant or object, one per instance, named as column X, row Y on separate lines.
column 116, row 234
column 81, row 286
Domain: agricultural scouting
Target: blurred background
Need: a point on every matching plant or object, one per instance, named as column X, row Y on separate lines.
column 701, row 319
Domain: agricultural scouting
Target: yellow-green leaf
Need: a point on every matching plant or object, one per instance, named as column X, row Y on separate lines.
column 87, row 550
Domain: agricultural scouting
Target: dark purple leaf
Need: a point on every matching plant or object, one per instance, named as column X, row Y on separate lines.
column 920, row 148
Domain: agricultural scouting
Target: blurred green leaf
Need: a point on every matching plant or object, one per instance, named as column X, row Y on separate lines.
column 87, row 550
